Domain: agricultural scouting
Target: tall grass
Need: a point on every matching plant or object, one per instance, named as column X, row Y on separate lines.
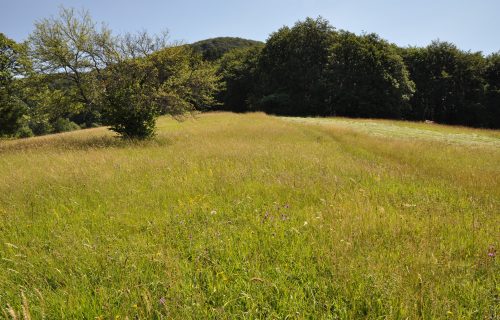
column 249, row 216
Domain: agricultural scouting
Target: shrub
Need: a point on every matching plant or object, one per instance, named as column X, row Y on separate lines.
column 130, row 104
column 40, row 125
column 24, row 132
column 63, row 125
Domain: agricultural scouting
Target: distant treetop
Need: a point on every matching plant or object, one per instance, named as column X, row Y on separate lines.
column 214, row 48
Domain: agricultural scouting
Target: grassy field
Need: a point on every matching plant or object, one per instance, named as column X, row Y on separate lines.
column 253, row 217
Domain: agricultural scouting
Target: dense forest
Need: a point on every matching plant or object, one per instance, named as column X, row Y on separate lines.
column 71, row 75
column 312, row 69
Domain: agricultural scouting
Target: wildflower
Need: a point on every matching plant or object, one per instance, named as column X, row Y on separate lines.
column 492, row 252
column 162, row 301
column 213, row 212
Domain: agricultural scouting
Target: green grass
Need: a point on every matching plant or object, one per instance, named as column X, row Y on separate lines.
column 412, row 130
column 254, row 217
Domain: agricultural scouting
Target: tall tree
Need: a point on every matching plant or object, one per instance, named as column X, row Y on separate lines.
column 238, row 70
column 170, row 81
column 71, row 44
column 13, row 62
column 450, row 84
column 367, row 78
column 492, row 96
column 292, row 66
column 129, row 79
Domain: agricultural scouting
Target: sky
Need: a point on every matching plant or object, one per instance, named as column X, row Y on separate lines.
column 471, row 24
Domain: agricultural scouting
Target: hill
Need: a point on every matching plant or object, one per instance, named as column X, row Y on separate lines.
column 227, row 216
column 214, row 48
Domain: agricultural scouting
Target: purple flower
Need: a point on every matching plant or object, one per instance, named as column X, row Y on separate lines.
column 492, row 252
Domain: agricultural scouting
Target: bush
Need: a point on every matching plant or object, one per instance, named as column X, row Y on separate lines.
column 63, row 125
column 130, row 105
column 40, row 125
column 275, row 103
column 24, row 132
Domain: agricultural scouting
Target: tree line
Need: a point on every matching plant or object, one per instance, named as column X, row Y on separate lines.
column 312, row 69
column 72, row 74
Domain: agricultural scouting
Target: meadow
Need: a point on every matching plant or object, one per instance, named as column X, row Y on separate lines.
column 254, row 217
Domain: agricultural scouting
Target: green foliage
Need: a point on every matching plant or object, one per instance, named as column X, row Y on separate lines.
column 215, row 48
column 12, row 110
column 492, row 96
column 366, row 77
column 311, row 69
column 186, row 82
column 50, row 102
column 238, row 71
column 450, row 84
column 130, row 103
column 171, row 81
column 39, row 123
column 13, row 62
column 24, row 132
column 292, row 65
column 72, row 46
column 64, row 125
column 130, row 79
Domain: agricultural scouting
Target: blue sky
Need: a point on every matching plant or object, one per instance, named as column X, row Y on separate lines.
column 471, row 25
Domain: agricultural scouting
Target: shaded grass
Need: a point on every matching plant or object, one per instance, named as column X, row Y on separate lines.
column 248, row 216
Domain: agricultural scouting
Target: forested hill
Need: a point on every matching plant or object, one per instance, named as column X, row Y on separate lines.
column 214, row 48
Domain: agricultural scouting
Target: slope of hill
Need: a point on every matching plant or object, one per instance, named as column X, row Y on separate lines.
column 228, row 216
column 214, row 48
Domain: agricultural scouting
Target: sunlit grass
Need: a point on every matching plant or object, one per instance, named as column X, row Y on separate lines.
column 412, row 130
column 249, row 216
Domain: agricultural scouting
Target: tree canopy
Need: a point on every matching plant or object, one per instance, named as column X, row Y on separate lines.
column 13, row 63
column 366, row 77
column 214, row 48
column 123, row 81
